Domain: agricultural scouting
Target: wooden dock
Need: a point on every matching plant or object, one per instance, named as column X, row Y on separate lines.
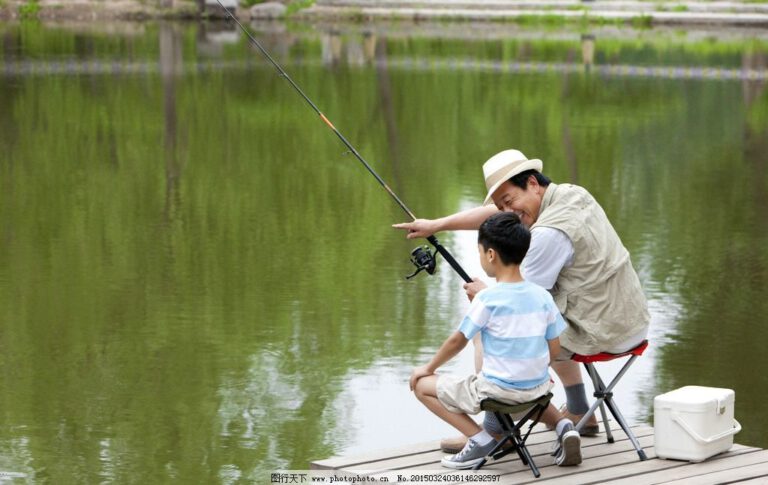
column 602, row 462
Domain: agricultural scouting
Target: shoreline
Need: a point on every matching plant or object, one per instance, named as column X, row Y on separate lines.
column 642, row 14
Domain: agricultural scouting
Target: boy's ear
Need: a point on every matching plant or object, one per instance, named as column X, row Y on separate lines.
column 491, row 254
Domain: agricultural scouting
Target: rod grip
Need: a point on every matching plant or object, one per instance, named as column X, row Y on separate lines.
column 449, row 257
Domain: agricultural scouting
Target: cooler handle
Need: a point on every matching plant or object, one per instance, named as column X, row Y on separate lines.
column 679, row 419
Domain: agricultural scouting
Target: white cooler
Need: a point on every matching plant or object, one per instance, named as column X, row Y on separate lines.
column 693, row 423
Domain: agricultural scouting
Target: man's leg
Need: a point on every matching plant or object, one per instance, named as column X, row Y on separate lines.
column 577, row 404
column 568, row 371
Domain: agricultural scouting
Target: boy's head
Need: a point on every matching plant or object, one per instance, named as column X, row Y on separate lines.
column 506, row 236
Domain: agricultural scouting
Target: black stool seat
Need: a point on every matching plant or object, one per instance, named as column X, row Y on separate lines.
column 505, row 413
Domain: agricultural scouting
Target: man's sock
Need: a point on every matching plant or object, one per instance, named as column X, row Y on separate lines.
column 576, row 399
column 482, row 438
column 561, row 426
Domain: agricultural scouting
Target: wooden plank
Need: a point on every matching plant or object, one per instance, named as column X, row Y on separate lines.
column 594, row 458
column 633, row 471
column 538, row 445
column 512, row 466
column 590, row 447
column 371, row 460
column 757, row 473
column 761, row 479
column 540, row 452
column 715, row 470
column 338, row 462
column 617, row 462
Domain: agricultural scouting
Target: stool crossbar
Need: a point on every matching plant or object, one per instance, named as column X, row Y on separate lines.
column 505, row 415
column 604, row 394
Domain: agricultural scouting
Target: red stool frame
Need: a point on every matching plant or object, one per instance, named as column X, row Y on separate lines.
column 604, row 394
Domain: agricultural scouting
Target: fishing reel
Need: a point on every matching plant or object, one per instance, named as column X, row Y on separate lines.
column 423, row 259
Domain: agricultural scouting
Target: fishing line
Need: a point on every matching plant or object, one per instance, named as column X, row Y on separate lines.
column 421, row 257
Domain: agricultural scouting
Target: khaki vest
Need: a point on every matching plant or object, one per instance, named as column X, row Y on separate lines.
column 599, row 294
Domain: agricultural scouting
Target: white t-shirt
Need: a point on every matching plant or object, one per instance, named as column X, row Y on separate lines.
column 550, row 251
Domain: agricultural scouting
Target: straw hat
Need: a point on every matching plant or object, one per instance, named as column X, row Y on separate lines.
column 503, row 166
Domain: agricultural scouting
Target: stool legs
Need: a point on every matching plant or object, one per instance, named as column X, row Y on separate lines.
column 599, row 386
column 620, row 418
column 604, row 397
column 512, row 435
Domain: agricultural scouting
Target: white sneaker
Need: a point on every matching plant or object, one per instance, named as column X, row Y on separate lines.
column 570, row 447
column 471, row 455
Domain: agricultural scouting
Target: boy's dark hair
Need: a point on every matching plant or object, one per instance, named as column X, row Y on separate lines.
column 521, row 179
column 504, row 233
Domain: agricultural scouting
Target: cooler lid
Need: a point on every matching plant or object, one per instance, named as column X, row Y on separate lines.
column 694, row 398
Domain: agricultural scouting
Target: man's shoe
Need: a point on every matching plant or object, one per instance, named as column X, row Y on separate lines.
column 570, row 447
column 469, row 456
column 590, row 428
column 453, row 445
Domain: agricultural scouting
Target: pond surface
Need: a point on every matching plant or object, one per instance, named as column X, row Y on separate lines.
column 197, row 284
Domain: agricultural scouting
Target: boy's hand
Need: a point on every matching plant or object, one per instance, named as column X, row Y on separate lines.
column 474, row 288
column 417, row 374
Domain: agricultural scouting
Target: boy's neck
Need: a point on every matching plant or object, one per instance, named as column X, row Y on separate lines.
column 509, row 274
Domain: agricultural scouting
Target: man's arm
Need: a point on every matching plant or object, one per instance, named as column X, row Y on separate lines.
column 452, row 346
column 465, row 220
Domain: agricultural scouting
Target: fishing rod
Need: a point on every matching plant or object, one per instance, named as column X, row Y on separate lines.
column 421, row 257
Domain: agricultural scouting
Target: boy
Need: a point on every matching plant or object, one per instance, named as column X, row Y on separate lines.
column 519, row 325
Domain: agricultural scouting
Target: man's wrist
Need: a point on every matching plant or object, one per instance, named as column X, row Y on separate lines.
column 438, row 225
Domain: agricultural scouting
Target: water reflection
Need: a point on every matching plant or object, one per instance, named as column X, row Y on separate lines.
column 199, row 285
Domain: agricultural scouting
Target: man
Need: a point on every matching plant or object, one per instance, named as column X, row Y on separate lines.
column 575, row 254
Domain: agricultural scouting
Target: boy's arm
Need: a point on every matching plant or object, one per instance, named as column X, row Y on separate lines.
column 554, row 348
column 452, row 346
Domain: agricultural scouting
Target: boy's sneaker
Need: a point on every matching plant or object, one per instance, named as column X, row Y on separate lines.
column 471, row 455
column 570, row 447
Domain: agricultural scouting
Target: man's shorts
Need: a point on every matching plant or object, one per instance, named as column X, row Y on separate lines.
column 464, row 394
column 628, row 344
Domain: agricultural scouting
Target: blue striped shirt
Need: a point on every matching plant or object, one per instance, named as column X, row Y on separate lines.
column 515, row 321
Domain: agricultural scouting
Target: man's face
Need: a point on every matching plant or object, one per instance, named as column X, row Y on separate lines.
column 525, row 203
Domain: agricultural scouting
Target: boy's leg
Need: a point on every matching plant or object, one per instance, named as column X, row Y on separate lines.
column 568, row 438
column 426, row 392
column 480, row 443
column 455, row 444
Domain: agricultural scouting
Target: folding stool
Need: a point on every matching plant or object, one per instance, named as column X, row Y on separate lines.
column 511, row 434
column 604, row 394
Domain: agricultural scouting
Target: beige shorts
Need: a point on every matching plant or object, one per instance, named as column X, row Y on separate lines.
column 464, row 394
column 626, row 345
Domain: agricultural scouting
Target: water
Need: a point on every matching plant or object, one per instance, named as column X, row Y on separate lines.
column 198, row 285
